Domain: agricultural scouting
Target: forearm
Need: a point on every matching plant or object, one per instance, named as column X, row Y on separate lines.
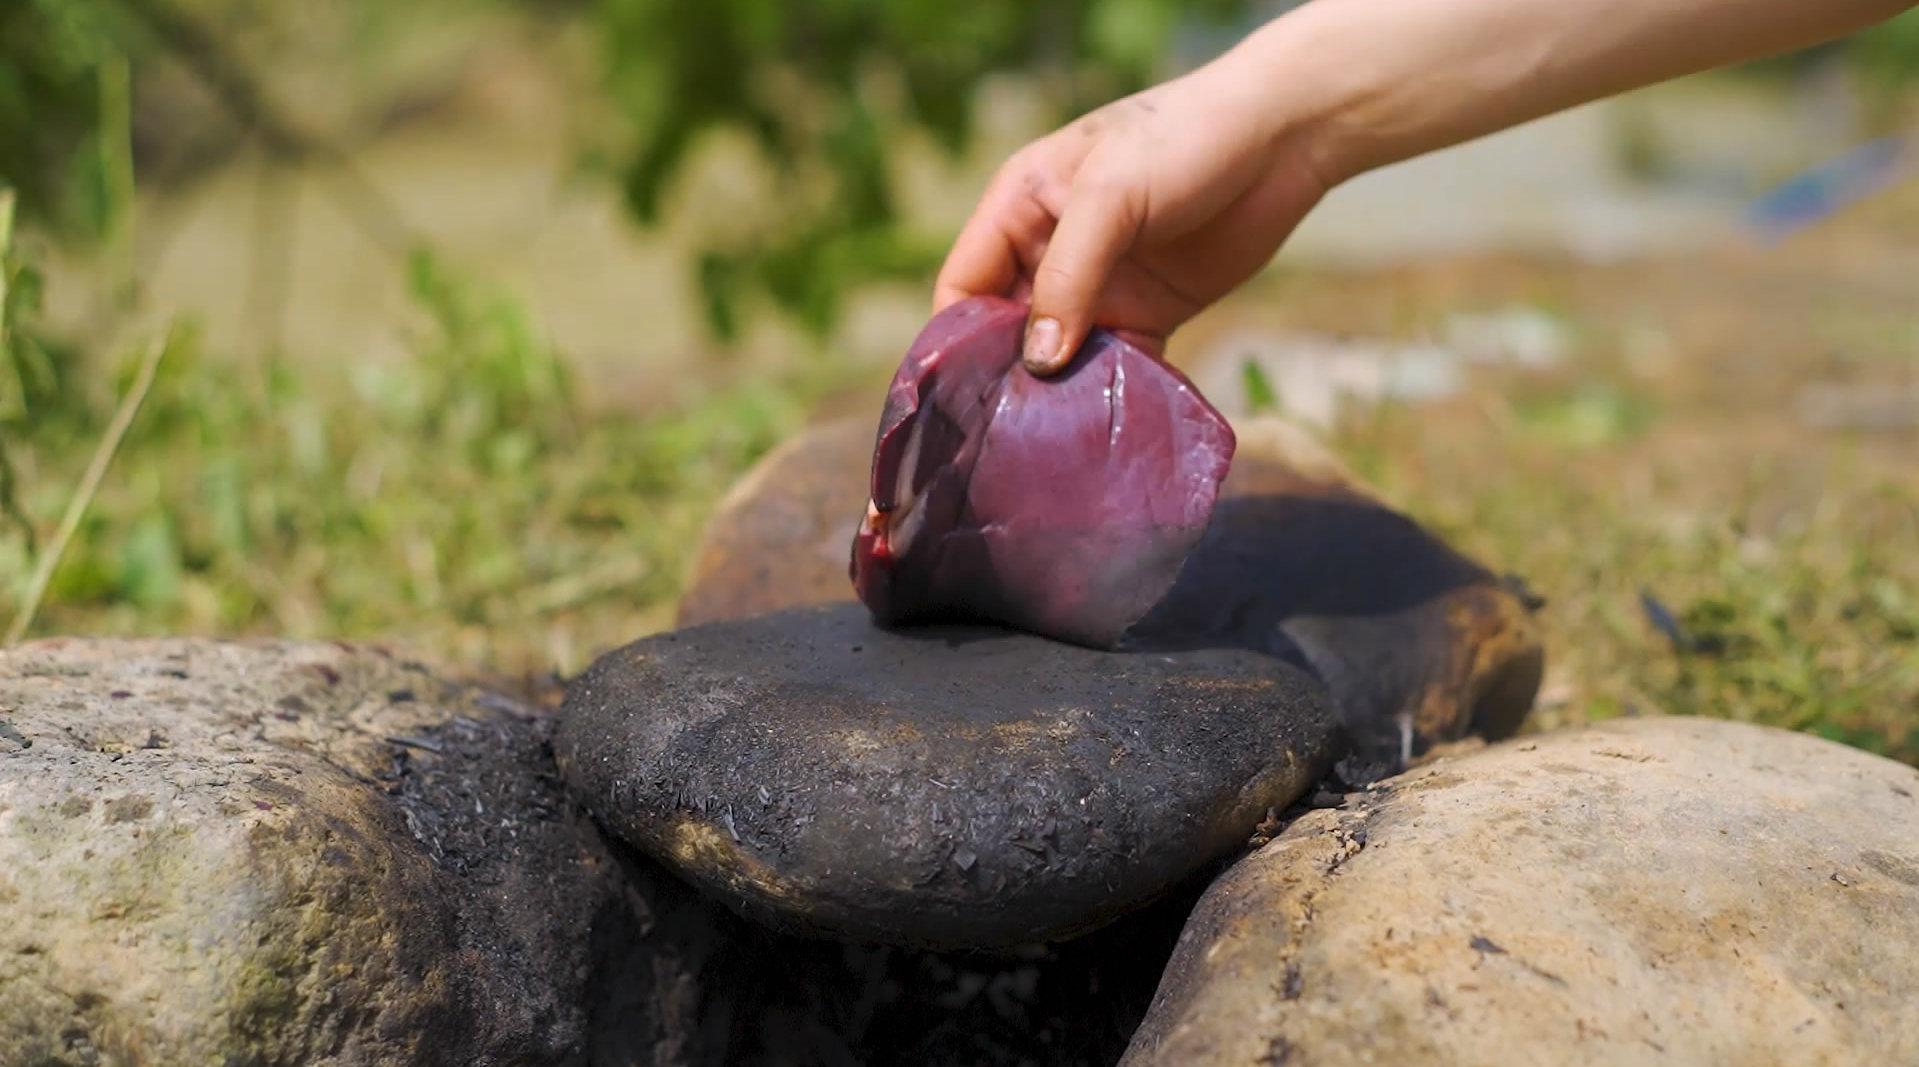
column 1362, row 83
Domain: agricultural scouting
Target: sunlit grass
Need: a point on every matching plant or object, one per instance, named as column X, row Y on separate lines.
column 464, row 501
column 1785, row 563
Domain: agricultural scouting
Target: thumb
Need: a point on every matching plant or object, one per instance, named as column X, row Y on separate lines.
column 1093, row 232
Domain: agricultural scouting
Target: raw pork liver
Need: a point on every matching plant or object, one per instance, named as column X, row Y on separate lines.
column 1063, row 506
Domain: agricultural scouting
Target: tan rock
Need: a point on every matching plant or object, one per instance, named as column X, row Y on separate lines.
column 782, row 537
column 1676, row 891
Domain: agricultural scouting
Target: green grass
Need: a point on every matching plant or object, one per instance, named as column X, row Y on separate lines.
column 1788, row 561
column 464, row 501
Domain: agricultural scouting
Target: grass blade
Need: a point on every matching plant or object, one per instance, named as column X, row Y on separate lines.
column 96, row 471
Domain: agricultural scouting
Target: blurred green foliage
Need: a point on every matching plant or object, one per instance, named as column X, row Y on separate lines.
column 1887, row 54
column 22, row 362
column 1592, row 415
column 64, row 107
column 1885, row 57
column 826, row 90
column 464, row 490
column 1261, row 396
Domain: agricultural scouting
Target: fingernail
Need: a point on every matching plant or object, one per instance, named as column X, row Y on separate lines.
column 1042, row 345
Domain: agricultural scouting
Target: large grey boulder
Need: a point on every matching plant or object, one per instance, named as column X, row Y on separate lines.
column 280, row 853
column 1655, row 891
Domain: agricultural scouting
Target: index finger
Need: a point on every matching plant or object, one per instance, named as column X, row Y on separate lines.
column 1005, row 232
column 984, row 259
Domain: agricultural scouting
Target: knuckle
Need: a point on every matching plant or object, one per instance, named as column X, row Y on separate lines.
column 1056, row 280
column 1110, row 182
column 1021, row 166
column 1055, row 272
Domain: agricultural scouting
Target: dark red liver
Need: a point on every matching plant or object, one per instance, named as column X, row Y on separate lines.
column 1063, row 506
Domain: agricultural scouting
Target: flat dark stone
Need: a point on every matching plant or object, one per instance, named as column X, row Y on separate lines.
column 947, row 787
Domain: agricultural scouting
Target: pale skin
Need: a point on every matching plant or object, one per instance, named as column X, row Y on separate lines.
column 1140, row 215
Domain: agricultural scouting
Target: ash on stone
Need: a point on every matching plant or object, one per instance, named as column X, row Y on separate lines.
column 203, row 876
column 942, row 786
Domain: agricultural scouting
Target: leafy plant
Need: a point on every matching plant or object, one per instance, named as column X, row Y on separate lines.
column 826, row 91
column 19, row 364
column 1888, row 53
column 1260, row 394
column 33, row 382
column 64, row 112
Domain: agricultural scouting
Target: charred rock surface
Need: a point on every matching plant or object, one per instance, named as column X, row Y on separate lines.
column 284, row 853
column 781, row 999
column 937, row 786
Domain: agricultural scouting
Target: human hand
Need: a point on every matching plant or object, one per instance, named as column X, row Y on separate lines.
column 1144, row 212
column 1137, row 216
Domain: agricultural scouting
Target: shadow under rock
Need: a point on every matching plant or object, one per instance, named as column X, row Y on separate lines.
column 1359, row 594
column 1268, row 560
column 752, row 996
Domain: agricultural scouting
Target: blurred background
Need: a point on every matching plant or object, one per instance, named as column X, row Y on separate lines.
column 446, row 322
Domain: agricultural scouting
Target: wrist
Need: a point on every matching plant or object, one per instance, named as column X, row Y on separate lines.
column 1311, row 92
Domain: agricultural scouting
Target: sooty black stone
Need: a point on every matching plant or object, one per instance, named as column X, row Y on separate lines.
column 942, row 787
